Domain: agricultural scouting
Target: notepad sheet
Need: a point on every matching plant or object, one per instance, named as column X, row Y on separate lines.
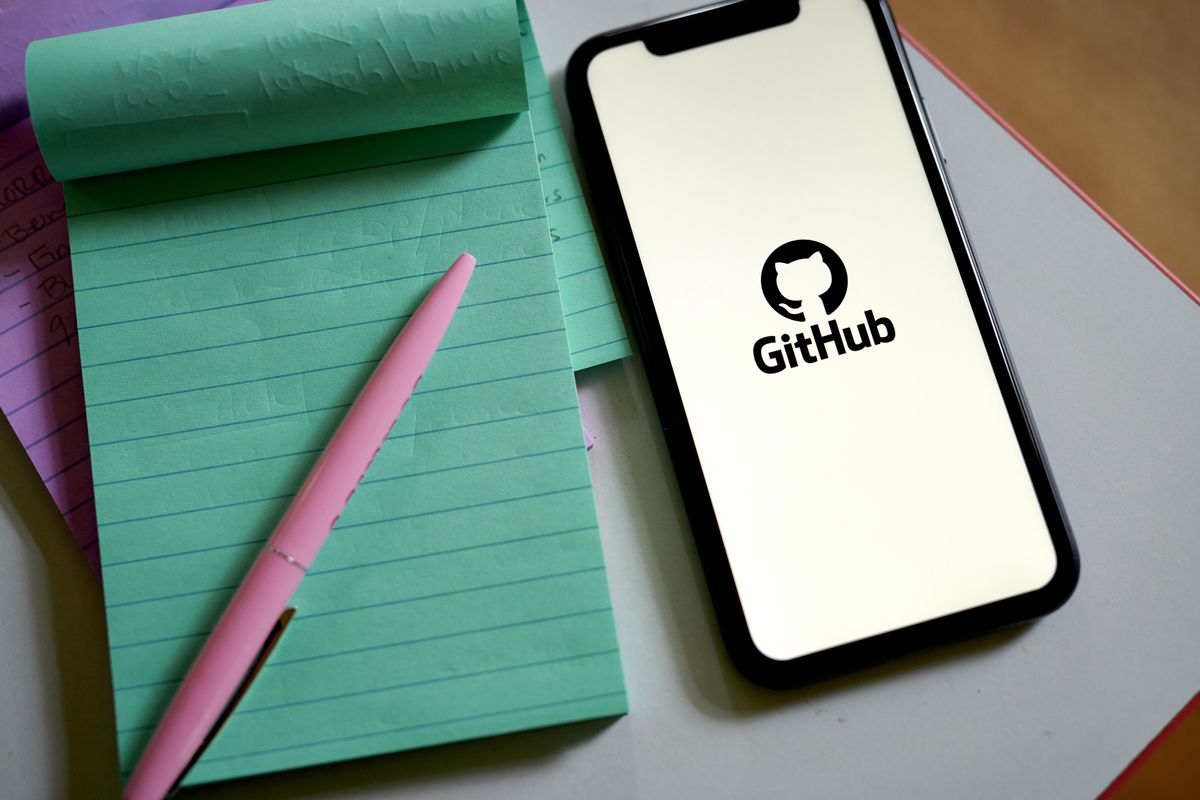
column 229, row 311
column 594, row 327
column 224, row 334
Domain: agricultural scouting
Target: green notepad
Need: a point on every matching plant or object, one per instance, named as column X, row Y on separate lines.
column 229, row 311
column 594, row 327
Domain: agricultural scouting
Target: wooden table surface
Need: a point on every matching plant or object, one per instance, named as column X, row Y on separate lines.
column 1108, row 90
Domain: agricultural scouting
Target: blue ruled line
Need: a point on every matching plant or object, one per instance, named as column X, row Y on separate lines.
column 580, row 272
column 15, row 159
column 420, row 725
column 428, row 681
column 315, row 450
column 231, row 545
column 37, row 397
column 402, row 601
column 313, row 371
column 277, row 259
column 325, row 329
column 590, row 308
column 59, row 429
column 272, row 417
column 298, row 178
column 389, row 645
column 598, row 346
column 289, row 495
column 588, row 232
column 281, row 220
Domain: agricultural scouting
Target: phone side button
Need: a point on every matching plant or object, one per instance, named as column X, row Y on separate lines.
column 937, row 143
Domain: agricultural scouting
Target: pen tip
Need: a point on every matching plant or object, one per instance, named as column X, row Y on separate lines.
column 459, row 275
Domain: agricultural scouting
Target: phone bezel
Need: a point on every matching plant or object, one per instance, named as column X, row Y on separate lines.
column 624, row 258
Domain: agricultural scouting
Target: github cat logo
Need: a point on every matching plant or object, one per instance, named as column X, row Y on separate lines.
column 802, row 277
column 800, row 271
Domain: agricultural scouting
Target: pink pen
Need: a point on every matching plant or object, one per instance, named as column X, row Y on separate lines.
column 234, row 647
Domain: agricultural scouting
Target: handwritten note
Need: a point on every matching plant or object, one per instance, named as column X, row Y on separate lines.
column 41, row 393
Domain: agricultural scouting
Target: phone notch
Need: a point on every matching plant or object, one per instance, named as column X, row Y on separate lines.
column 714, row 23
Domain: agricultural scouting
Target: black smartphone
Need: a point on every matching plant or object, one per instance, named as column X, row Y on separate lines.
column 859, row 467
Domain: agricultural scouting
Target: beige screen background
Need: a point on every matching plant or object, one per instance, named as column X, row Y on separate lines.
column 868, row 491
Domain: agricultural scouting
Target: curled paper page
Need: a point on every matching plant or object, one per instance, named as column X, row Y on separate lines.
column 22, row 21
column 268, row 76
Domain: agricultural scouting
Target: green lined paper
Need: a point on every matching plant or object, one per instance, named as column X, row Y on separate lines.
column 594, row 326
column 229, row 312
column 463, row 592
column 265, row 76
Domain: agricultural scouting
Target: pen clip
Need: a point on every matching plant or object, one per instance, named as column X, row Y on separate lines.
column 268, row 645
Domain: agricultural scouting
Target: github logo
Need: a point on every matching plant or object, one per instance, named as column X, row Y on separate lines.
column 800, row 273
column 806, row 277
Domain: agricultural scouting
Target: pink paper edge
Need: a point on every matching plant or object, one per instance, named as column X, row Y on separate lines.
column 1058, row 173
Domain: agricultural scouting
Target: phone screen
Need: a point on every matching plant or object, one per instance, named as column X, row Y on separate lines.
column 862, row 466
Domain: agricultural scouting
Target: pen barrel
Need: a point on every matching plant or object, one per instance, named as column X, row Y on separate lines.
column 329, row 486
column 341, row 466
column 215, row 676
column 235, row 644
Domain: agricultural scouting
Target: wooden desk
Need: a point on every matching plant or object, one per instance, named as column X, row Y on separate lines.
column 1108, row 90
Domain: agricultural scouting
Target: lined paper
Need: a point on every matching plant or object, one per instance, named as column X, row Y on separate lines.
column 231, row 308
column 594, row 325
column 41, row 393
column 463, row 593
column 265, row 76
column 39, row 386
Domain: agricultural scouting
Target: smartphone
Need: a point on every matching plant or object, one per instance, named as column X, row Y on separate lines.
column 859, row 467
